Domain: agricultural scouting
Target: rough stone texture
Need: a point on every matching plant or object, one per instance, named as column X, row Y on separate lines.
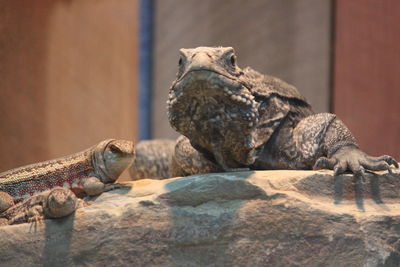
column 264, row 218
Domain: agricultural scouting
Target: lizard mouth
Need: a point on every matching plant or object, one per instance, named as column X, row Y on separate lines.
column 208, row 83
column 205, row 73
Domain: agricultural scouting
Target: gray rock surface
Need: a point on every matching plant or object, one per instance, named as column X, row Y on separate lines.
column 263, row 218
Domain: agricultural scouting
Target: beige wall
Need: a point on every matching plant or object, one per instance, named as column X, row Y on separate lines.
column 68, row 72
column 285, row 38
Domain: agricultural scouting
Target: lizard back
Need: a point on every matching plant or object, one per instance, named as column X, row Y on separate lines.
column 66, row 172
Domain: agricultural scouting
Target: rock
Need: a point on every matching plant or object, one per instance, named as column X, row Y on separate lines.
column 263, row 218
column 217, row 187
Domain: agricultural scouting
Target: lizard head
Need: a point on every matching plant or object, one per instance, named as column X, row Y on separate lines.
column 211, row 105
column 60, row 202
column 111, row 157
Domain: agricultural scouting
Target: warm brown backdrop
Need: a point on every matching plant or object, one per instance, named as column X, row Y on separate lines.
column 68, row 69
column 68, row 76
column 367, row 72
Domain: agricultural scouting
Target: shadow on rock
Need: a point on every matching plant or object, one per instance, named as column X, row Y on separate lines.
column 358, row 191
column 58, row 236
column 203, row 209
column 379, row 187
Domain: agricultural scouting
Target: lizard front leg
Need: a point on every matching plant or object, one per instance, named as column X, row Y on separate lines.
column 93, row 186
column 338, row 149
column 344, row 154
column 32, row 214
column 187, row 160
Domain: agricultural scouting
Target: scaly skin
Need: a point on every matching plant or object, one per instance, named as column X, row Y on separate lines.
column 233, row 119
column 153, row 159
column 54, row 203
column 86, row 172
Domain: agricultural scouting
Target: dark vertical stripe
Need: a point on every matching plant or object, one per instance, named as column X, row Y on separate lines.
column 145, row 68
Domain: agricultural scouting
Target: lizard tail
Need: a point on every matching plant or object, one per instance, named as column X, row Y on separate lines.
column 153, row 159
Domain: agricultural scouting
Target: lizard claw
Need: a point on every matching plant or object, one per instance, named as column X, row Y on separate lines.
column 360, row 173
column 388, row 159
column 340, row 167
column 353, row 159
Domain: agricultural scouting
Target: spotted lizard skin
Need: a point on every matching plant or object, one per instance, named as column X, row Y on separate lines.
column 83, row 172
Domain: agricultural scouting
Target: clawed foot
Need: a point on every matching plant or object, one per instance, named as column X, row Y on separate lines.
column 36, row 219
column 35, row 215
column 354, row 160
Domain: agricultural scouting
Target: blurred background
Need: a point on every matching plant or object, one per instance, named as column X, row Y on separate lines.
column 73, row 73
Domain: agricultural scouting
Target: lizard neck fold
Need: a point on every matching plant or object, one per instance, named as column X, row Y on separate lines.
column 99, row 162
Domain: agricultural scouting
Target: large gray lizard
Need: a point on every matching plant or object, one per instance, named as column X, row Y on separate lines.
column 85, row 172
column 232, row 118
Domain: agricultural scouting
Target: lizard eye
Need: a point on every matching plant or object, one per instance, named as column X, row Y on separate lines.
column 180, row 61
column 115, row 149
column 233, row 60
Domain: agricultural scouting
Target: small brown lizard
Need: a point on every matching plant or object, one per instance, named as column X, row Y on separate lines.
column 84, row 172
column 54, row 203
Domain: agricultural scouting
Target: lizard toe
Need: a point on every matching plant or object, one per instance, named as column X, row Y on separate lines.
column 358, row 170
column 376, row 165
column 325, row 163
column 340, row 168
column 389, row 160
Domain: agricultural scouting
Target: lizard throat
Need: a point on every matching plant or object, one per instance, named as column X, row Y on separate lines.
column 207, row 108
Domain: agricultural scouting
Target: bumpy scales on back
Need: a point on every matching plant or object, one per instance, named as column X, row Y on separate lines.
column 232, row 118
